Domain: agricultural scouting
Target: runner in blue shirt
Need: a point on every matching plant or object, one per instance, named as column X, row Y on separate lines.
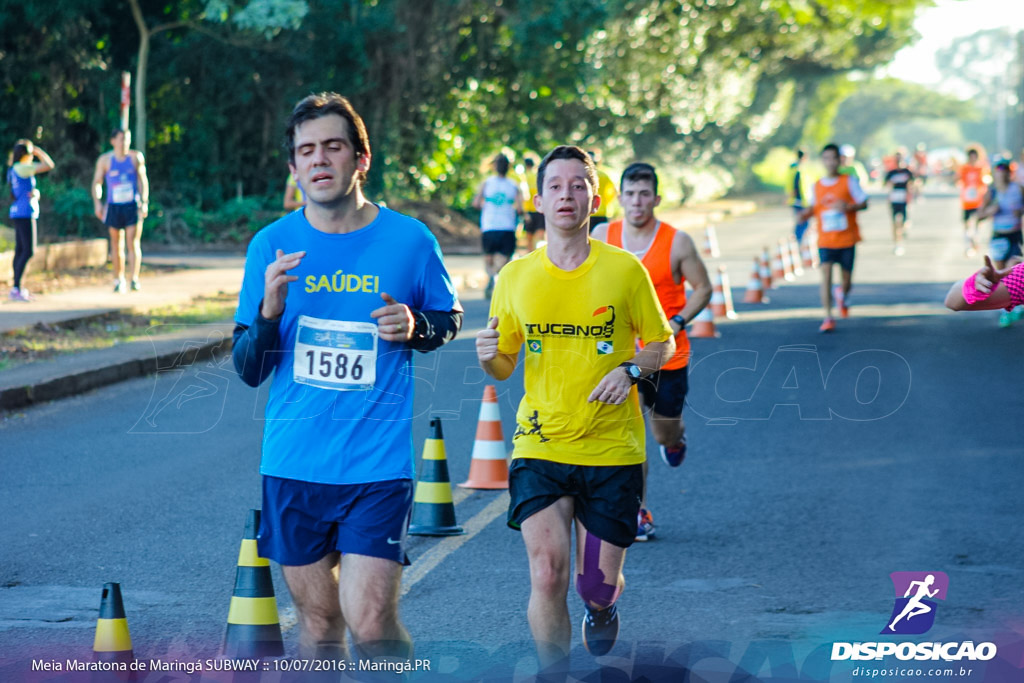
column 25, row 163
column 122, row 172
column 336, row 297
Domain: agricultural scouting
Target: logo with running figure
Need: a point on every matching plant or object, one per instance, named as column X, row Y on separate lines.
column 914, row 611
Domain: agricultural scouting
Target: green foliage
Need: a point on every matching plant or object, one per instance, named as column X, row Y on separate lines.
column 234, row 221
column 72, row 212
column 875, row 104
column 773, row 170
column 703, row 88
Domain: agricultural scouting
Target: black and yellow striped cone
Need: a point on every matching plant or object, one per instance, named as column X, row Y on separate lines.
column 113, row 643
column 254, row 629
column 433, row 512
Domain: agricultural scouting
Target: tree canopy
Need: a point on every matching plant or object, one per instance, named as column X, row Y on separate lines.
column 441, row 84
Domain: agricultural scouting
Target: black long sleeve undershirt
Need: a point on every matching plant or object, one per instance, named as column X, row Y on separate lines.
column 253, row 342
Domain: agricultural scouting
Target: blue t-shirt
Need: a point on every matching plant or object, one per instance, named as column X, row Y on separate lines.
column 355, row 436
column 22, row 179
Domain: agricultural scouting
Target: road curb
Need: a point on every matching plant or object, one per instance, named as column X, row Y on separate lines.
column 63, row 386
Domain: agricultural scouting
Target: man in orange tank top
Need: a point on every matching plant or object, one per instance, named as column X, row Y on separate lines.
column 972, row 179
column 835, row 201
column 672, row 260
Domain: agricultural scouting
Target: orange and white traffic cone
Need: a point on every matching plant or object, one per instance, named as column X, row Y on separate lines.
column 807, row 258
column 794, row 256
column 755, row 292
column 766, row 271
column 489, row 467
column 721, row 296
column 778, row 271
column 812, row 250
column 703, row 326
column 787, row 266
column 711, row 242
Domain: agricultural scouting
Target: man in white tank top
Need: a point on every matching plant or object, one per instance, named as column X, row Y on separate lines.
column 501, row 205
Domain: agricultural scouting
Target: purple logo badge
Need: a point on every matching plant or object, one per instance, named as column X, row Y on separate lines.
column 914, row 611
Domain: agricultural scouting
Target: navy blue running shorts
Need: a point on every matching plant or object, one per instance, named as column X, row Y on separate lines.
column 844, row 257
column 606, row 498
column 303, row 521
column 121, row 216
column 665, row 391
column 533, row 222
column 1005, row 245
column 499, row 242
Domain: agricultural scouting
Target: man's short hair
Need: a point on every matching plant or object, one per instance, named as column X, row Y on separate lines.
column 639, row 171
column 501, row 164
column 118, row 131
column 324, row 104
column 831, row 147
column 530, row 162
column 567, row 152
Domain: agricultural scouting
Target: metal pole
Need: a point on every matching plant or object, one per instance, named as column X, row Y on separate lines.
column 126, row 87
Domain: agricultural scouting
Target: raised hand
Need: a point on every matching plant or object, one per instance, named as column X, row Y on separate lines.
column 986, row 279
column 395, row 321
column 275, row 283
column 487, row 341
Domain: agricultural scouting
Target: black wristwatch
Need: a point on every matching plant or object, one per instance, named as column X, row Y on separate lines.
column 678, row 320
column 632, row 371
column 419, row 330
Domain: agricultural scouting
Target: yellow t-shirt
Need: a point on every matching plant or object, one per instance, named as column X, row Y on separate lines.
column 577, row 326
column 606, row 188
column 528, row 186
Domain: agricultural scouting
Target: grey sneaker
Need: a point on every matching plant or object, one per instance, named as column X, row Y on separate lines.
column 120, row 286
column 600, row 630
column 136, row 286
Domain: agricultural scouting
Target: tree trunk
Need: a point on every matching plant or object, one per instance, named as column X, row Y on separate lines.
column 140, row 77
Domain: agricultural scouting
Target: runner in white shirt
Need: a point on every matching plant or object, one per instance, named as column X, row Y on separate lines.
column 501, row 205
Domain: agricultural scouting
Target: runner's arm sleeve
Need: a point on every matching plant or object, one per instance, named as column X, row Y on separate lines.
column 856, row 191
column 252, row 343
column 435, row 328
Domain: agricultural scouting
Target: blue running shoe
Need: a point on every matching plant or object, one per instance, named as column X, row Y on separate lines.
column 600, row 630
column 674, row 455
column 644, row 525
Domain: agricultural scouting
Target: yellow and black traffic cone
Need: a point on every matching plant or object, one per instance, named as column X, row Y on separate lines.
column 113, row 643
column 433, row 512
column 254, row 629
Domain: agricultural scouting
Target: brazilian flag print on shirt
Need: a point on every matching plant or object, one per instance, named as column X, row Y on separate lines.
column 580, row 330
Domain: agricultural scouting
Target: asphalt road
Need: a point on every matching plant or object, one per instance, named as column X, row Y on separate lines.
column 818, row 465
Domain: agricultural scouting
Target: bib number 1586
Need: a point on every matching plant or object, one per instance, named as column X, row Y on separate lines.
column 334, row 364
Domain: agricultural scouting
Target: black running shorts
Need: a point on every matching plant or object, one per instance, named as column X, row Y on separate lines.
column 606, row 499
column 665, row 391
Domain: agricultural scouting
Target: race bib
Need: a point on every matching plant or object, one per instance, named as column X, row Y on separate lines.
column 833, row 221
column 898, row 196
column 122, row 193
column 335, row 354
column 971, row 193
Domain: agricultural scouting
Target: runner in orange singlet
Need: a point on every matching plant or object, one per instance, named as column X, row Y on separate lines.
column 671, row 260
column 972, row 179
column 835, row 201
